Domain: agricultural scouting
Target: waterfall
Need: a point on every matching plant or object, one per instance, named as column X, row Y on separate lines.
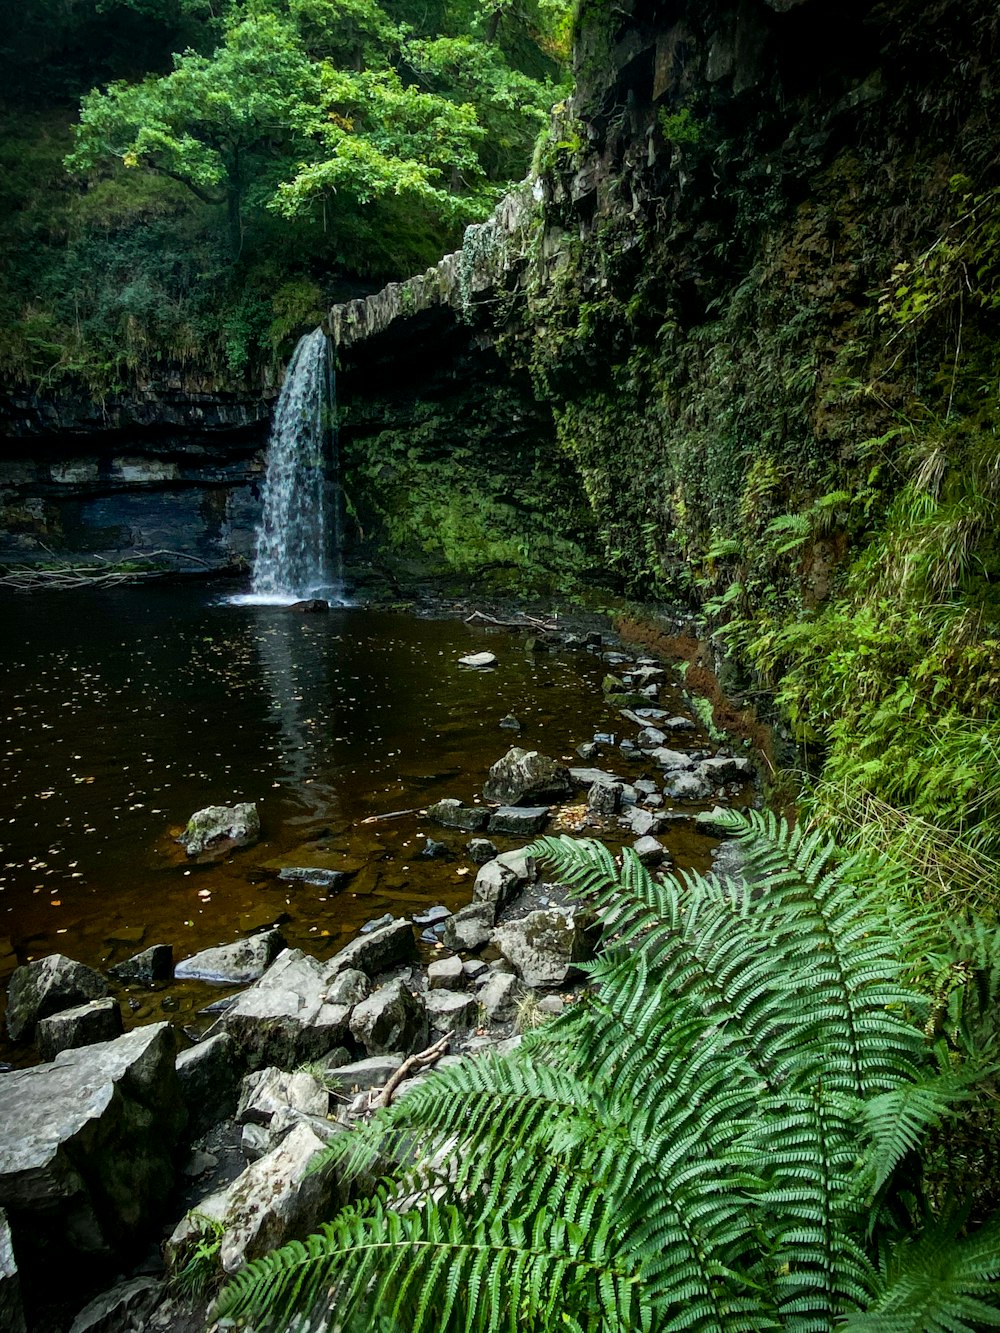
column 299, row 541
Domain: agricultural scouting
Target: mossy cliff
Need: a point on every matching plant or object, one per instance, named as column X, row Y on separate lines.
column 753, row 287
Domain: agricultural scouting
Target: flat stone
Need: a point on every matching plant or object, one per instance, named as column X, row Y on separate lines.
column 451, row 813
column 331, row 881
column 45, row 987
column 677, row 724
column 126, row 935
column 233, row 964
column 469, row 928
column 97, row 1020
column 517, row 819
column 86, row 1144
column 432, row 915
column 474, row 968
column 363, row 1075
column 377, row 952
column 209, row 1075
column 452, row 1011
column 586, row 777
column 392, row 1019
column 153, row 964
column 478, row 660
column 221, row 828
column 446, row 974
column 526, row 777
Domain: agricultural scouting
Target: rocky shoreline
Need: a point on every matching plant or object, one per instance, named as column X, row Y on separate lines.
column 144, row 1173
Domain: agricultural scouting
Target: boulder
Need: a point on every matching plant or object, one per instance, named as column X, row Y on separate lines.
column 725, row 768
column 233, row 964
column 221, row 828
column 453, row 814
column 446, row 974
column 480, row 851
column 363, row 1075
column 374, row 953
column 469, row 928
column 544, row 946
column 276, row 1199
column 525, row 777
column 125, row 1306
column 496, row 883
column 153, row 964
column 650, row 851
column 45, row 987
column 86, row 1145
column 672, row 761
column 287, row 1018
column 650, row 738
column 209, row 1076
column 330, row 881
column 687, row 787
column 605, row 798
column 499, row 996
column 452, row 1011
column 349, row 987
column 392, row 1019
column 11, row 1310
column 522, row 821
column 270, row 1092
column 98, row 1020
column 645, row 822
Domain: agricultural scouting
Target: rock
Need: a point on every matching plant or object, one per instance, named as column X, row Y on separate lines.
column 349, row 987
column 649, row 851
column 479, row 660
column 276, row 1199
column 714, row 821
column 255, row 1142
column 446, row 974
column 392, row 1019
column 551, row 1004
column 524, row 777
column 435, row 850
column 86, row 1145
column 725, row 768
column 672, row 761
column 153, row 964
column 233, row 964
column 286, row 1018
column 654, row 801
column 376, row 952
column 475, row 969
column 433, row 916
column 452, row 1011
column 45, row 987
column 331, row 881
column 268, row 1092
column 11, row 1310
column 453, row 814
column 377, row 923
column 97, row 1020
column 644, row 822
column 605, row 798
column 480, row 850
column 499, row 996
column 677, row 724
column 586, row 777
column 650, row 738
column 496, row 883
column 729, row 862
column 687, row 787
column 524, row 866
column 518, row 819
column 126, row 1306
column 510, row 723
column 363, row 1075
column 469, row 928
column 588, row 750
column 310, row 606
column 209, row 1075
column 544, row 945
column 649, row 675
column 220, row 828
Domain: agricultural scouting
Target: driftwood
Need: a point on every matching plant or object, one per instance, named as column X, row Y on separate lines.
column 392, row 814
column 95, row 573
column 421, row 1060
column 526, row 622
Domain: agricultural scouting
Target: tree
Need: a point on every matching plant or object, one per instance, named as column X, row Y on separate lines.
column 722, row 1136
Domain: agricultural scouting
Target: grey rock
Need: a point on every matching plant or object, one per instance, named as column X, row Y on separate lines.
column 125, row 1306
column 268, row 1092
column 221, row 828
column 479, row 660
column 524, row 777
column 650, row 738
column 499, row 996
column 480, row 850
column 587, row 751
column 551, row 1004
column 672, row 761
column 687, row 787
column 377, row 923
column 11, row 1310
column 209, row 1076
column 86, row 1144
column 650, row 851
column 496, row 883
column 519, row 820
column 286, row 1018
column 677, row 724
column 363, row 1075
column 729, row 862
column 446, row 974
column 432, row 916
column 605, row 798
column 255, row 1142
column 654, row 801
column 349, row 987
column 452, row 1011
column 392, row 1019
column 544, row 946
column 586, row 777
column 233, row 964
column 725, row 768
column 45, row 987
column 451, row 813
column 376, row 952
column 432, row 850
column 331, row 881
column 153, row 964
column 645, row 822
column 475, row 968
column 97, row 1020
column 276, row 1199
column 510, row 723
column 469, row 928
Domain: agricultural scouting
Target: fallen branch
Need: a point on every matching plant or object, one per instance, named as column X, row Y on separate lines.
column 393, row 814
column 526, row 622
column 419, row 1061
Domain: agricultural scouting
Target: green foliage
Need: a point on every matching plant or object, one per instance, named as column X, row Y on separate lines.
column 724, row 1134
column 197, row 1269
column 679, row 127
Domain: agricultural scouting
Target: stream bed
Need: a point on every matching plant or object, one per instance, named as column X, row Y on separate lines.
column 127, row 710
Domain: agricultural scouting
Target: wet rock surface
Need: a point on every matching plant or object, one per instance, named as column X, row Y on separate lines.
column 47, row 986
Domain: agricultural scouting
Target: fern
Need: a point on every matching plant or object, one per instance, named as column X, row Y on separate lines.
column 708, row 1141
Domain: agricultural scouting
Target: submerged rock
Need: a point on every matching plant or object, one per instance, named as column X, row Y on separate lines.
column 47, row 986
column 331, row 881
column 453, row 814
column 520, row 820
column 220, row 828
column 524, row 777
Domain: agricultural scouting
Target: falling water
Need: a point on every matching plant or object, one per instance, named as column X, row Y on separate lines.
column 299, row 546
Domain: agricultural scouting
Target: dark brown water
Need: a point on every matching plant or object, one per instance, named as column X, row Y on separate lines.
column 125, row 711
